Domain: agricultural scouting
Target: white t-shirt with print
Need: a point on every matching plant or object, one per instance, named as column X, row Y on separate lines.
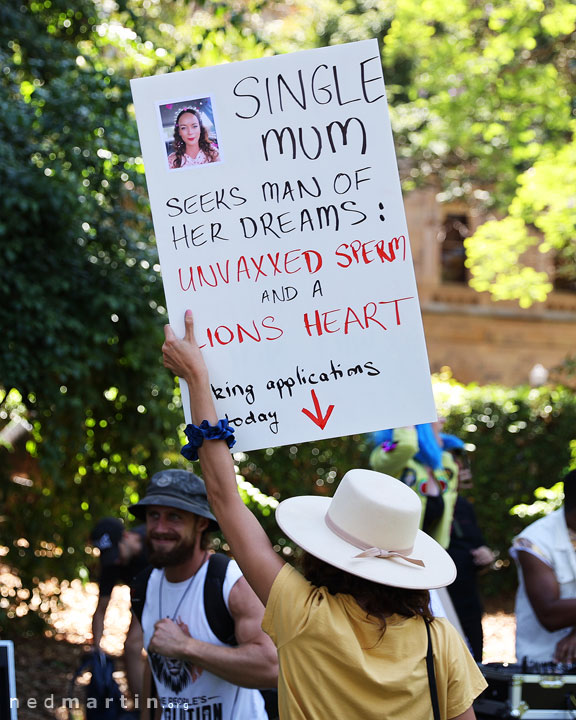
column 190, row 693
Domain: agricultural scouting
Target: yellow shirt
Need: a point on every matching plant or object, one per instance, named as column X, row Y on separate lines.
column 334, row 664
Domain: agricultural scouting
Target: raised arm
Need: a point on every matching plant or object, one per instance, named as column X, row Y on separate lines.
column 249, row 543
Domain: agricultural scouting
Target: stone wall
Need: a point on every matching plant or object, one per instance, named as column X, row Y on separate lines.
column 481, row 340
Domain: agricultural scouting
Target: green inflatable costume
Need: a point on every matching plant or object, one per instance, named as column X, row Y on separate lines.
column 396, row 458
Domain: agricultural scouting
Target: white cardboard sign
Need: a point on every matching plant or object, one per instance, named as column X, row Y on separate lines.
column 291, row 248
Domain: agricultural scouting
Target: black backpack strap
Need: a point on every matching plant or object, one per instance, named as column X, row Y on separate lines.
column 218, row 616
column 431, row 674
column 221, row 622
column 138, row 592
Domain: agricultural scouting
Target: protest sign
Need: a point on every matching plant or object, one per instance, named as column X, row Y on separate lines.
column 288, row 242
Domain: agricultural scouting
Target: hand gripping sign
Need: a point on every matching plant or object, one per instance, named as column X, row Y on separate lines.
column 279, row 221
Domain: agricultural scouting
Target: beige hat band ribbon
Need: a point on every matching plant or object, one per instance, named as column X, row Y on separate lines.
column 369, row 551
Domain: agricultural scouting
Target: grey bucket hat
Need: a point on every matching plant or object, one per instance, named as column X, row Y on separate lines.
column 177, row 489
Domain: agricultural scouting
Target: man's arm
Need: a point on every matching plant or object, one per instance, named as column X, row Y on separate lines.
column 253, row 663
column 148, row 700
column 543, row 591
column 250, row 545
column 98, row 620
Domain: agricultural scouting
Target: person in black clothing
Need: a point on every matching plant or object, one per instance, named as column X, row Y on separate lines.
column 122, row 556
column 470, row 553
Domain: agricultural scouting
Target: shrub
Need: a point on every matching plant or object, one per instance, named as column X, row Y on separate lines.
column 523, row 439
column 520, row 439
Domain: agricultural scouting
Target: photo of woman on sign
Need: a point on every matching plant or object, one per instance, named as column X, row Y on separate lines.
column 191, row 143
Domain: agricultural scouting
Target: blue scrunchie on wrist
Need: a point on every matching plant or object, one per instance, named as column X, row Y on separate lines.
column 197, row 433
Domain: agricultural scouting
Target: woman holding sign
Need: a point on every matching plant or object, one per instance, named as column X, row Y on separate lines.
column 192, row 145
column 354, row 631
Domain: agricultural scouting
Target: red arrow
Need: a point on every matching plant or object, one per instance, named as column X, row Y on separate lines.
column 318, row 419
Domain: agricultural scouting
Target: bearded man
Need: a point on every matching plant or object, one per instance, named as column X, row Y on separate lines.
column 195, row 673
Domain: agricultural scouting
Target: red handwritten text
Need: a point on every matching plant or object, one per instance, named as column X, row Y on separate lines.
column 370, row 251
column 257, row 331
column 249, row 269
column 347, row 319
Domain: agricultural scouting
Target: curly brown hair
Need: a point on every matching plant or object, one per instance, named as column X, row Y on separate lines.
column 204, row 142
column 378, row 601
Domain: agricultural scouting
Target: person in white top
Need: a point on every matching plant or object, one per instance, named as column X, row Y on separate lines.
column 196, row 674
column 546, row 598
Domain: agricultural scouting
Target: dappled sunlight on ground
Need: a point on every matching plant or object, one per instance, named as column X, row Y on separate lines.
column 45, row 666
column 73, row 621
column 499, row 637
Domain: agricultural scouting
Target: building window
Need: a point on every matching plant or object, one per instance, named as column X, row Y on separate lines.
column 564, row 273
column 453, row 252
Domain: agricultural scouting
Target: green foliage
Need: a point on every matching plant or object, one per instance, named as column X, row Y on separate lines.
column 478, row 91
column 546, row 196
column 547, row 500
column 492, row 255
column 565, row 372
column 81, row 300
column 545, row 201
column 523, row 439
column 481, row 98
column 308, row 468
column 520, row 439
column 482, row 104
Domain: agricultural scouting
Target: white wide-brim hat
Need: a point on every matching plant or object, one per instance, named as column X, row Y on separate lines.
column 369, row 528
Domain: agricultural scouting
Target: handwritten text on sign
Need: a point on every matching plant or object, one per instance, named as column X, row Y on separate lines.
column 284, row 231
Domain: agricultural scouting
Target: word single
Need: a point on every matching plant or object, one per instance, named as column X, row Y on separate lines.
column 343, row 320
column 322, row 85
column 284, row 386
column 249, row 269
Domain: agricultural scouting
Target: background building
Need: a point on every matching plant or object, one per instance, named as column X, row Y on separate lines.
column 479, row 339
